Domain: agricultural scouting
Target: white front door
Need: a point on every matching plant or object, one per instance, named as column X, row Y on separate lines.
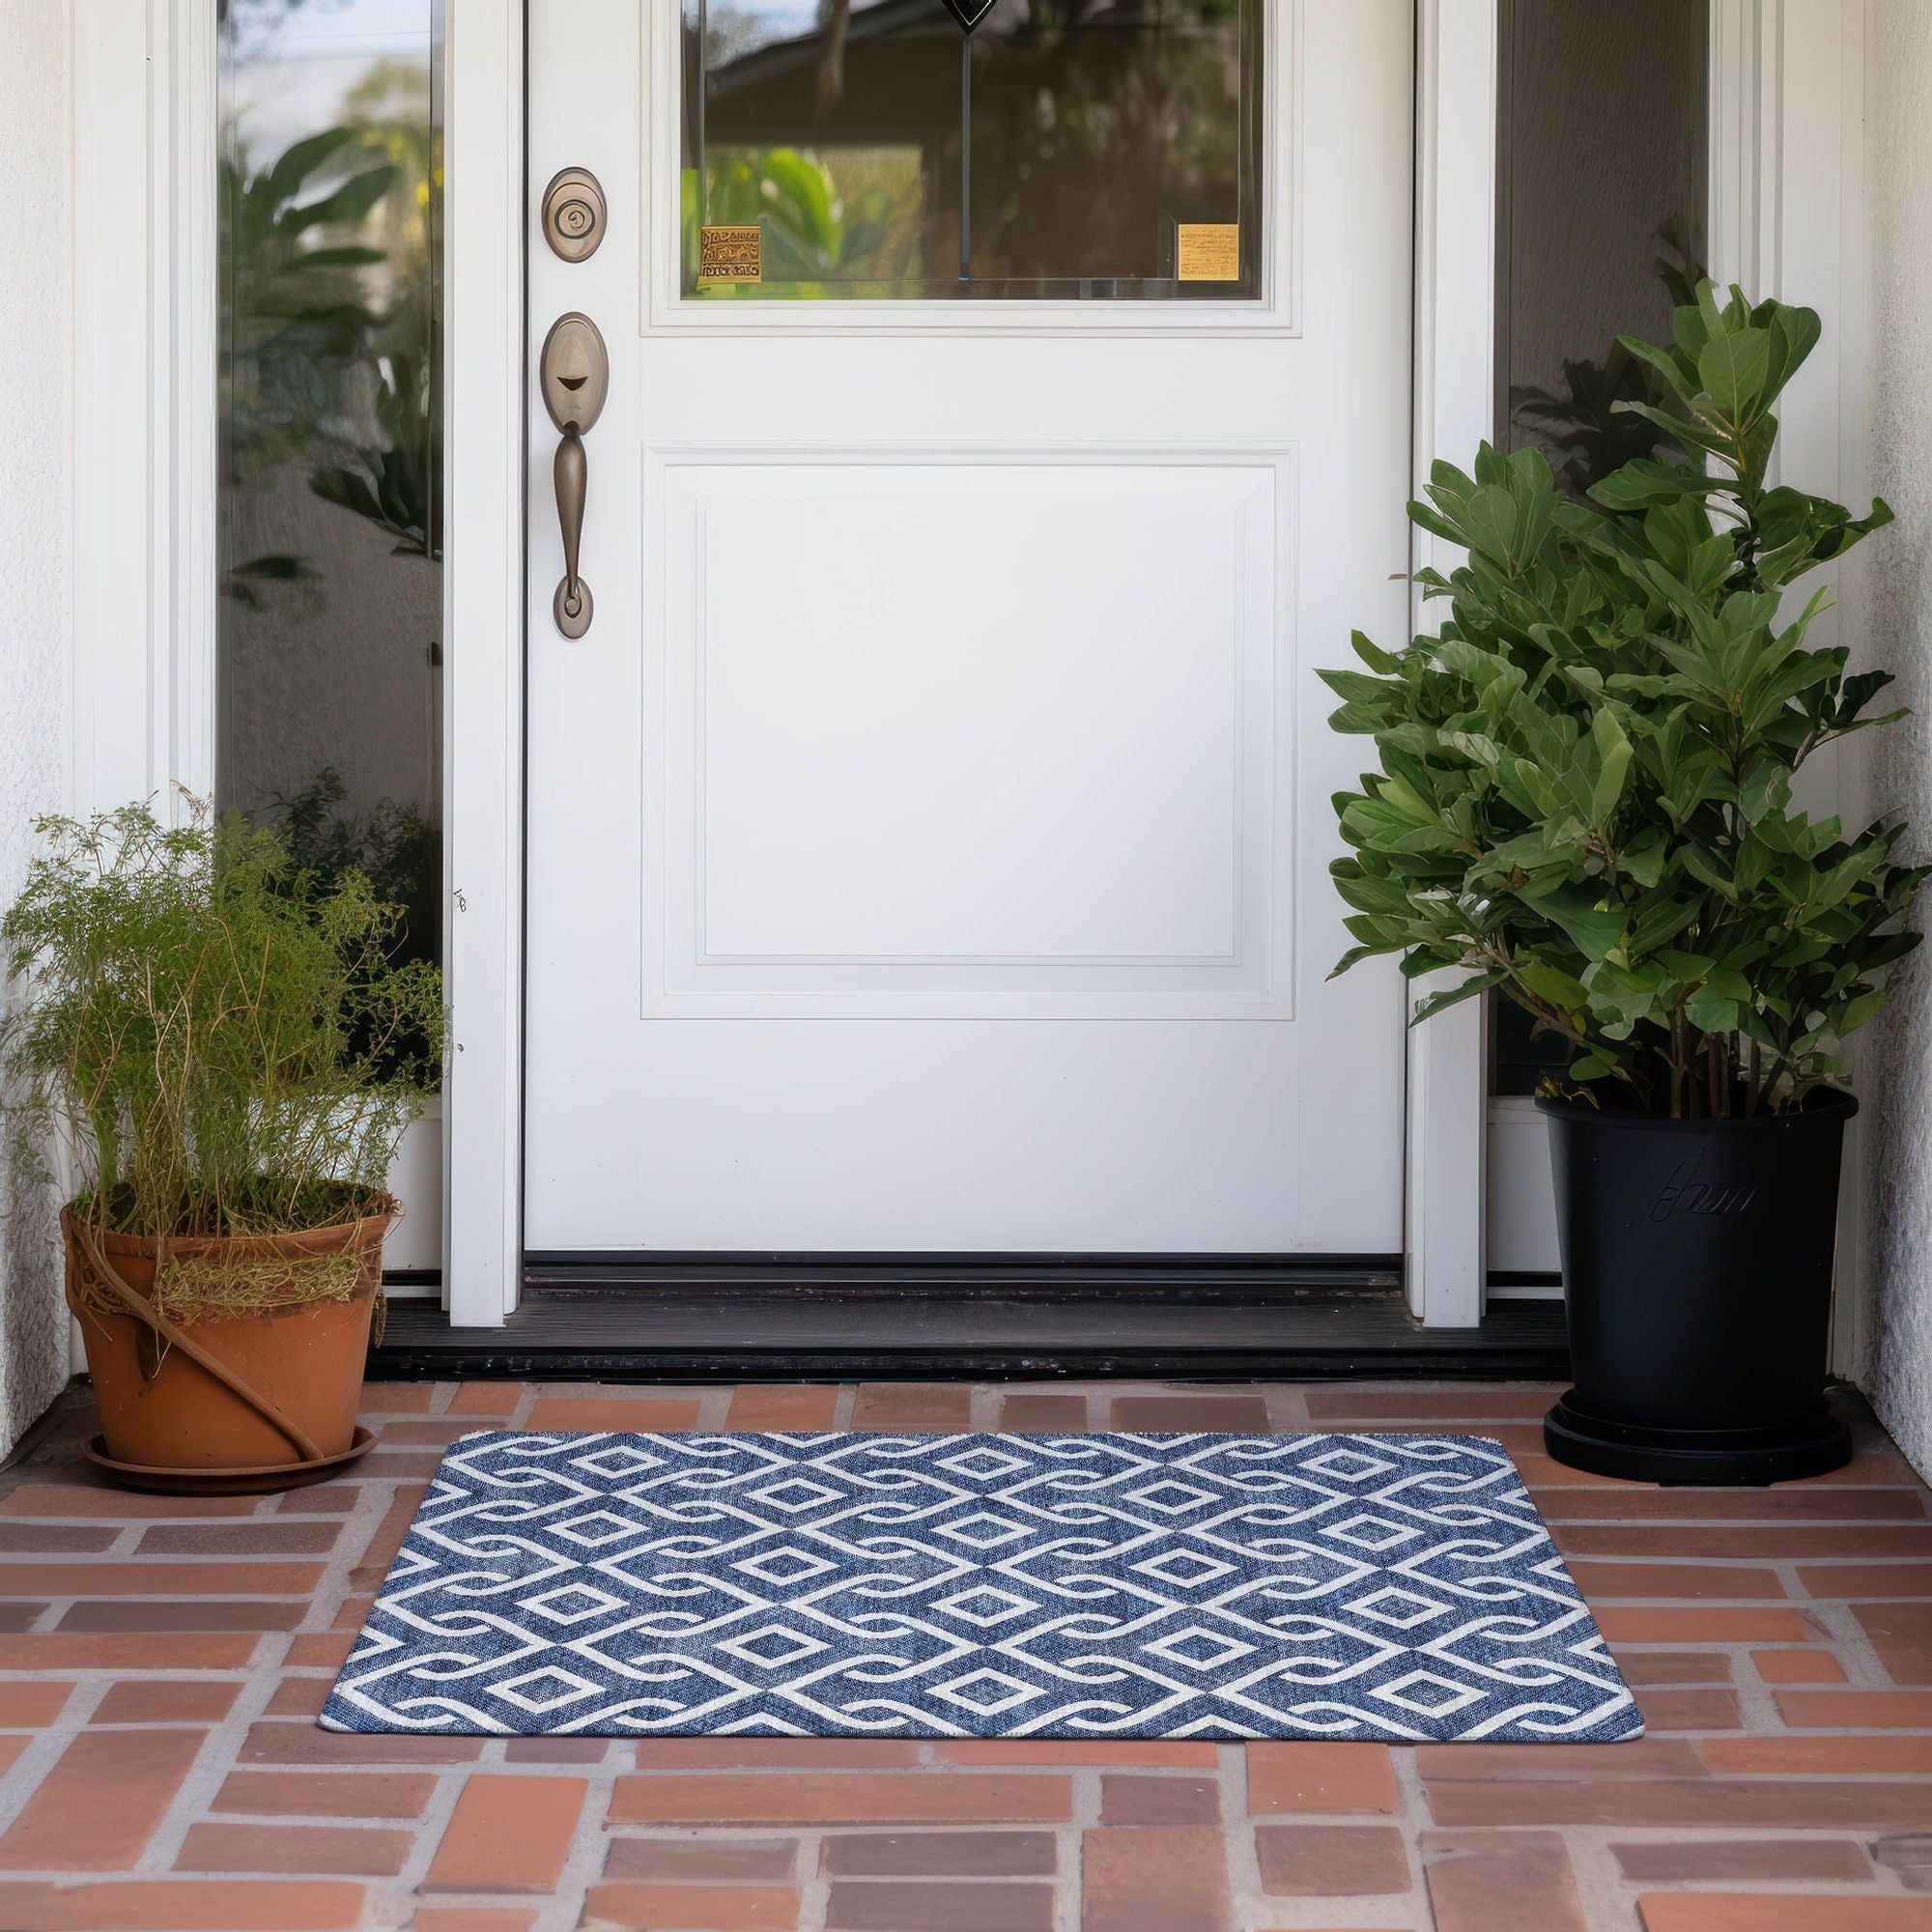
column 927, row 840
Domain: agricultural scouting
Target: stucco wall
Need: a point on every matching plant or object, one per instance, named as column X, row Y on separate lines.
column 1897, row 1061
column 36, row 392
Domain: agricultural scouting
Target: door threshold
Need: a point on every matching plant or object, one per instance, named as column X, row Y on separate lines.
column 1001, row 1331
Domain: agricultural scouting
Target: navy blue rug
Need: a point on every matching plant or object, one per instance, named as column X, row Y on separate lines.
column 1399, row 1587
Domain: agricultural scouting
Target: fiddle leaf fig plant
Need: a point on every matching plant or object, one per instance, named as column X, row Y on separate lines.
column 1586, row 794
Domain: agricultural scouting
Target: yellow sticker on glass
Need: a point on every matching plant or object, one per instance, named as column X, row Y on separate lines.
column 731, row 254
column 1210, row 251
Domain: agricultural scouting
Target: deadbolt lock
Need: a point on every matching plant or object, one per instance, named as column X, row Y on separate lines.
column 574, row 214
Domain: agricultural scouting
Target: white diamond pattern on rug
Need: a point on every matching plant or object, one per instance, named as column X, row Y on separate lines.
column 1400, row 1587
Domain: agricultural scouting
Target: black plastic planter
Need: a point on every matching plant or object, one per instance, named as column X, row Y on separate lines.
column 1697, row 1271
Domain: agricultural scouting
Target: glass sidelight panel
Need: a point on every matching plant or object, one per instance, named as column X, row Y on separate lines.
column 1602, row 184
column 330, row 518
column 1103, row 150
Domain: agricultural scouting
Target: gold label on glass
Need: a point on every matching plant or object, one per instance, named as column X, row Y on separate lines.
column 1210, row 251
column 731, row 254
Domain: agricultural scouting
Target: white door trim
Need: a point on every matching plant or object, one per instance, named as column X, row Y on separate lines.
column 145, row 130
column 1455, row 409
column 485, row 198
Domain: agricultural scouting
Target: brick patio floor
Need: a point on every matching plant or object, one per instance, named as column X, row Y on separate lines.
column 161, row 1662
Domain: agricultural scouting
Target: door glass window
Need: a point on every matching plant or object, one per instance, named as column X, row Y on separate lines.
column 1102, row 150
column 328, row 529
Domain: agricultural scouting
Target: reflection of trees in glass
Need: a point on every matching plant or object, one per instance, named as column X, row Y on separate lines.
column 860, row 224
column 1087, row 133
column 329, row 367
column 1580, row 428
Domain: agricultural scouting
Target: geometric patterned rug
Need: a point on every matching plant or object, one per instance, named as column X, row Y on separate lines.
column 1393, row 1587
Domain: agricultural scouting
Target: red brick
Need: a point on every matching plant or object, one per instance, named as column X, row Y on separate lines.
column 1464, row 1404
column 1856, row 1710
column 1641, row 1668
column 556, row 1751
column 260, row 1536
column 85, row 1500
column 913, row 1407
column 99, row 1804
column 1839, row 1580
column 1338, row 1777
column 1892, row 1754
column 1759, row 1912
column 1027, row 1413
column 1187, row 1414
column 1799, row 1667
column 473, row 1919
column 774, row 1753
column 1760, row 1542
column 939, row 1855
column 1330, row 1861
column 1603, row 1580
column 900, row 1904
column 321, row 1498
column 1692, row 1711
column 112, row 1615
column 1126, row 1755
column 1153, row 1878
column 189, row 1651
column 49, row 1539
column 1901, row 1633
column 298, row 1697
column 397, row 1398
column 1761, row 1859
column 693, row 1908
column 185, row 1905
column 1159, row 1800
column 781, row 1406
column 508, row 1833
column 30, row 1707
column 778, row 1798
column 491, row 1401
column 736, row 1861
column 289, row 1742
column 598, row 1413
column 1501, row 1882
column 1639, row 1757
column 1783, row 1505
column 326, row 1794
column 1703, row 1622
column 319, row 1650
column 341, row 1851
column 160, row 1579
column 1688, row 1803
column 187, row 1700
column 436, row 1432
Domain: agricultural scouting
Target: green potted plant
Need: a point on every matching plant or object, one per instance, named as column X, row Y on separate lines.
column 217, row 1055
column 1586, row 801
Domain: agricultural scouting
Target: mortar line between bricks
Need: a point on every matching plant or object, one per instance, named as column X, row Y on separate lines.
column 814, row 1883
column 25, row 1774
column 584, row 1862
column 215, row 1758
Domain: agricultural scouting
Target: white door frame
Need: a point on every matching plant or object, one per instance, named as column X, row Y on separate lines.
column 1786, row 188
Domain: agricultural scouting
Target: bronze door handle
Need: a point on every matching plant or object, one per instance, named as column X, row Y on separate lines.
column 575, row 371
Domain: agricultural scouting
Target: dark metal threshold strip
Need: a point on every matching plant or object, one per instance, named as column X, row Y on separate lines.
column 968, row 1330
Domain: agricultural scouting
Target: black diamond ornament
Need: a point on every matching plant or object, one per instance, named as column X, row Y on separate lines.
column 969, row 12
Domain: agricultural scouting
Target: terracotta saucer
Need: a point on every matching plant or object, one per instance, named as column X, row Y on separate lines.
column 226, row 1482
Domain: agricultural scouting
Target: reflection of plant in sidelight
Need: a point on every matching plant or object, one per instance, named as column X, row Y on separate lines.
column 329, row 536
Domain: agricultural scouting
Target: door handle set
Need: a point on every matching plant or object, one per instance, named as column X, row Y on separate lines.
column 574, row 375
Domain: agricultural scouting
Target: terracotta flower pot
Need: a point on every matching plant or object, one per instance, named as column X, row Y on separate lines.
column 253, row 1391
